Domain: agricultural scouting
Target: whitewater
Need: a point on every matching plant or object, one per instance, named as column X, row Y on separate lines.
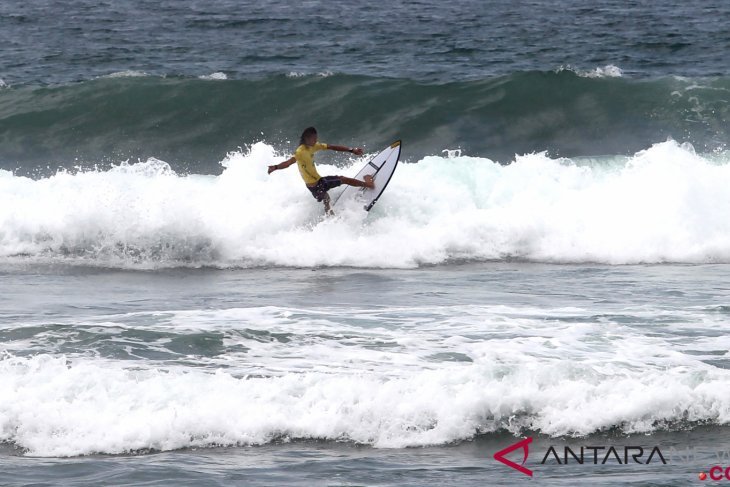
column 665, row 204
column 388, row 359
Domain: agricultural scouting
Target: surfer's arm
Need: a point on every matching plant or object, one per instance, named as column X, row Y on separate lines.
column 282, row 165
column 341, row 148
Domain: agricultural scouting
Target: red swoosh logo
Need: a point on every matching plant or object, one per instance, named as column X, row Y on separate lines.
column 499, row 456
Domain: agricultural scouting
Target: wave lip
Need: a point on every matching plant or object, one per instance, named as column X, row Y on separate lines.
column 129, row 73
column 607, row 71
column 218, row 76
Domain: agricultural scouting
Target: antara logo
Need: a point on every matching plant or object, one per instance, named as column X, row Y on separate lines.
column 635, row 452
column 584, row 454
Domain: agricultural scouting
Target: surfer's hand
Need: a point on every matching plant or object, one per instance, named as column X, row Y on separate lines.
column 272, row 168
column 357, row 151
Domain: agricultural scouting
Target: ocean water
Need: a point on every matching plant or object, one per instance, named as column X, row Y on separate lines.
column 550, row 260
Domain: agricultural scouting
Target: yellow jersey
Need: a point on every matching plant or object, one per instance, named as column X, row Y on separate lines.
column 305, row 161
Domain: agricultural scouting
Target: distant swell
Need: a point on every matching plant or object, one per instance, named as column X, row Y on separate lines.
column 192, row 123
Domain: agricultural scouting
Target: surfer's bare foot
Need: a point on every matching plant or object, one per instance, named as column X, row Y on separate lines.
column 369, row 183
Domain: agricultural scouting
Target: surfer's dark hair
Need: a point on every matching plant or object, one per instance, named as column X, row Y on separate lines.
column 307, row 132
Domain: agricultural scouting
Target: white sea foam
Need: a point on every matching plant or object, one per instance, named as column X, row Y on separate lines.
column 215, row 76
column 130, row 73
column 299, row 74
column 607, row 71
column 664, row 204
column 326, row 380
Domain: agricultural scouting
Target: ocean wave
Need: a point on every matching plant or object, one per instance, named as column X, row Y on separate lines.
column 663, row 204
column 464, row 372
column 192, row 123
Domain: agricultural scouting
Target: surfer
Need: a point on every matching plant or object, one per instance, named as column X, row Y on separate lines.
column 316, row 184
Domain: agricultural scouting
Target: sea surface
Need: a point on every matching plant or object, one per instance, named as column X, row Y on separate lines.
column 551, row 259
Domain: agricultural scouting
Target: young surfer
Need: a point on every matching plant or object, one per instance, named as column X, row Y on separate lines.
column 316, row 184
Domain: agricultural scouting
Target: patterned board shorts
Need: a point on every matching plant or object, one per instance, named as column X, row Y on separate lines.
column 319, row 190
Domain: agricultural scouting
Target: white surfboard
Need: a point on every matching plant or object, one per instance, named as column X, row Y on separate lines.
column 381, row 168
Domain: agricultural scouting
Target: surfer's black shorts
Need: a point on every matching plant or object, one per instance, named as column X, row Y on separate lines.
column 319, row 190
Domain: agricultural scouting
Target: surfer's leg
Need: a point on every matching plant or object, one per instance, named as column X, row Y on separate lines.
column 368, row 183
column 326, row 201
